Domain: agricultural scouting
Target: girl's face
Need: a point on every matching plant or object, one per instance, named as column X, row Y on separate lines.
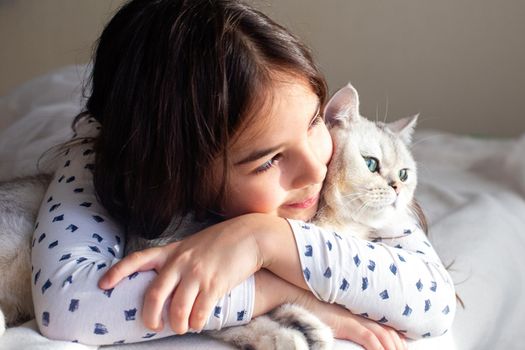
column 280, row 161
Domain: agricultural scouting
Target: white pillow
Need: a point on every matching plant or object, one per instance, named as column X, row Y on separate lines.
column 36, row 116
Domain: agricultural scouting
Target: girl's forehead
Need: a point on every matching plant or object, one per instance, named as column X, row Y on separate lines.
column 288, row 102
column 285, row 95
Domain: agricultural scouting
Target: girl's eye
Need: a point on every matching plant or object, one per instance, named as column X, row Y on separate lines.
column 316, row 121
column 266, row 166
column 372, row 164
column 403, row 175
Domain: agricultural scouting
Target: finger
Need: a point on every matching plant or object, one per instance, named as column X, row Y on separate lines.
column 136, row 262
column 398, row 340
column 202, row 309
column 404, row 341
column 384, row 336
column 365, row 337
column 182, row 304
column 156, row 295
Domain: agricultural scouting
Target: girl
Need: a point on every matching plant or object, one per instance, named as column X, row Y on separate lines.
column 205, row 111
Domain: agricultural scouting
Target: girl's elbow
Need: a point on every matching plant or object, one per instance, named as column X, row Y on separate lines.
column 67, row 329
column 56, row 323
column 59, row 329
column 433, row 325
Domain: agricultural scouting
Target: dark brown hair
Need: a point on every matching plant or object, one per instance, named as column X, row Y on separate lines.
column 172, row 83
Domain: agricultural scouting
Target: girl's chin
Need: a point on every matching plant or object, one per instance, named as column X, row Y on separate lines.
column 303, row 214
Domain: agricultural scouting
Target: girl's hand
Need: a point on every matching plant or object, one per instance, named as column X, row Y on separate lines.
column 345, row 325
column 192, row 274
column 367, row 333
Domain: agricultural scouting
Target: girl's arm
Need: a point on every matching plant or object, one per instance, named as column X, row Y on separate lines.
column 402, row 285
column 399, row 282
column 345, row 325
column 75, row 242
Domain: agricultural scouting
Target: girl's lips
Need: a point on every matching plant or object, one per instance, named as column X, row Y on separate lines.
column 307, row 203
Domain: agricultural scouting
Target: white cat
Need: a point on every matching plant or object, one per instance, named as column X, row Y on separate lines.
column 19, row 203
column 372, row 176
column 369, row 189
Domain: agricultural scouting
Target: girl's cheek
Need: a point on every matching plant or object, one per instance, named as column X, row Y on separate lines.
column 267, row 199
column 261, row 196
column 325, row 145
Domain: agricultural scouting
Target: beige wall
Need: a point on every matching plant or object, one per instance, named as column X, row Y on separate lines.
column 39, row 35
column 460, row 63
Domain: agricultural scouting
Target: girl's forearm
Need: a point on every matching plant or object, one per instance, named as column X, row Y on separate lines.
column 277, row 248
column 266, row 299
column 361, row 275
column 343, row 324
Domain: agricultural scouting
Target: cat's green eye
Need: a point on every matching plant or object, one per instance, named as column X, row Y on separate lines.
column 372, row 164
column 403, row 175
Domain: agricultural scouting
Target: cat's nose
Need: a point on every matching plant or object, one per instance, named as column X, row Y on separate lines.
column 395, row 186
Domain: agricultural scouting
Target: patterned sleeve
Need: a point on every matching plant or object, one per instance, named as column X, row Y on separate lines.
column 398, row 281
column 75, row 242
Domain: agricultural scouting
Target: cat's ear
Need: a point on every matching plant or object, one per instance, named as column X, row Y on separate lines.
column 404, row 128
column 343, row 107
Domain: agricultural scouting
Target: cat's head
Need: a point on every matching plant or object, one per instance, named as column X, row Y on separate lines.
column 372, row 174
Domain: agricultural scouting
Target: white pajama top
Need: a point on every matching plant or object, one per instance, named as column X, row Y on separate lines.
column 399, row 282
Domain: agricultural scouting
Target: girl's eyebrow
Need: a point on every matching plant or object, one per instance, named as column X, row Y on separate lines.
column 258, row 154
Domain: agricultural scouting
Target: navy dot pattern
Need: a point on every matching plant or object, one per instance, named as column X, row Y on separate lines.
column 75, row 242
column 396, row 280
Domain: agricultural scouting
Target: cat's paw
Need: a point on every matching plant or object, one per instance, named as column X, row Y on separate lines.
column 282, row 338
column 263, row 333
column 2, row 323
column 317, row 334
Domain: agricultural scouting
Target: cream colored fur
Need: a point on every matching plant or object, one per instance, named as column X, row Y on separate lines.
column 19, row 203
column 355, row 200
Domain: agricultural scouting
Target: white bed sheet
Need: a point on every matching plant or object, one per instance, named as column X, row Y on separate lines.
column 472, row 190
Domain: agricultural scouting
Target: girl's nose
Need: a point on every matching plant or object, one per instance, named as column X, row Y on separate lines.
column 310, row 170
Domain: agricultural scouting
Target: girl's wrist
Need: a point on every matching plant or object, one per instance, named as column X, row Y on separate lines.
column 276, row 248
column 271, row 234
column 266, row 299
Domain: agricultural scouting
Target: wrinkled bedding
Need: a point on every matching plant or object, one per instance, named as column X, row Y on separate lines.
column 472, row 191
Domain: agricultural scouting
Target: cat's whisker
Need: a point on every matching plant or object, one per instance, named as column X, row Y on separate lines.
column 350, row 195
column 424, row 139
column 356, row 215
column 386, row 109
column 350, row 198
column 321, row 208
column 362, row 211
column 360, row 208
column 348, row 203
column 329, row 187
